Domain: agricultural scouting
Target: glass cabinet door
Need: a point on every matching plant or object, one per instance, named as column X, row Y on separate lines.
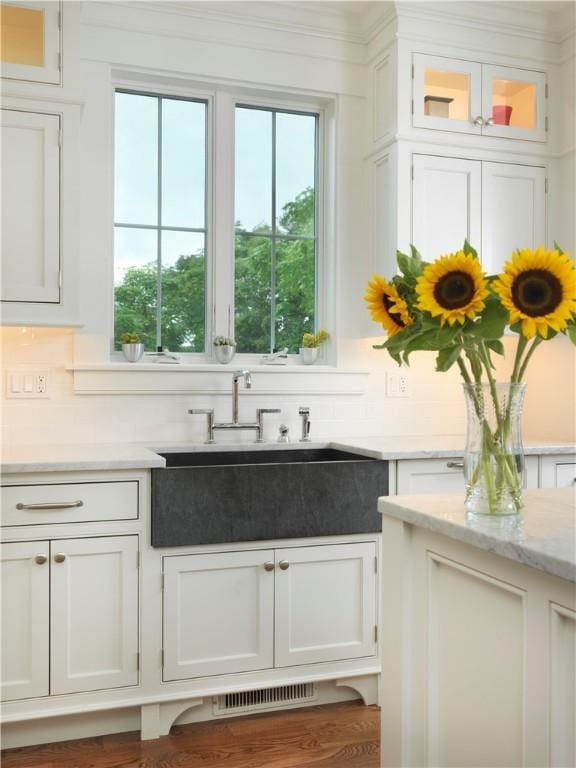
column 514, row 103
column 30, row 40
column 447, row 94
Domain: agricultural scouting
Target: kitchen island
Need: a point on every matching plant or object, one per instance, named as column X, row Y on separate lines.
column 479, row 638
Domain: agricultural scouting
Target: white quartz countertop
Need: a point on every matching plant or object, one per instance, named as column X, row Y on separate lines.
column 543, row 536
column 84, row 456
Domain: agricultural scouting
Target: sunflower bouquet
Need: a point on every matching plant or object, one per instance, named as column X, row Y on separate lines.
column 451, row 307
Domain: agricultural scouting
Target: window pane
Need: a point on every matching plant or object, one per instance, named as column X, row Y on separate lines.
column 514, row 103
column 253, row 293
column 447, row 94
column 22, row 35
column 295, row 281
column 183, row 163
column 295, row 173
column 183, row 290
column 135, row 282
column 136, row 158
column 253, row 169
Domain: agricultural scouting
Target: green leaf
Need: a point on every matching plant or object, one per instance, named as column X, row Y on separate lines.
column 492, row 321
column 467, row 248
column 557, row 247
column 571, row 332
column 496, row 346
column 447, row 357
column 410, row 266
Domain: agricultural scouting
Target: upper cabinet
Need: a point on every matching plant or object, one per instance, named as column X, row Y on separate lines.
column 31, row 40
column 480, row 99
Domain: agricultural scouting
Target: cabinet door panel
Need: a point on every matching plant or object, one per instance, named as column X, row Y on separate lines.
column 30, row 207
column 446, row 200
column 218, row 613
column 513, row 211
column 515, row 100
column 325, row 603
column 94, row 628
column 25, row 620
column 31, row 40
column 447, row 93
column 558, row 472
column 430, row 476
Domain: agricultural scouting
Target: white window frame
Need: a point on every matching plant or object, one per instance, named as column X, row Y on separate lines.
column 220, row 192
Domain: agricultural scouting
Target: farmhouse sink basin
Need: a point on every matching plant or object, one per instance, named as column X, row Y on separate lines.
column 216, row 497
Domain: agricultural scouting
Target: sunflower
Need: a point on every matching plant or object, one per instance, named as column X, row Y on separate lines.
column 386, row 306
column 453, row 287
column 538, row 288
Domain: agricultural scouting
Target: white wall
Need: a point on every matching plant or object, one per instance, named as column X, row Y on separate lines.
column 280, row 56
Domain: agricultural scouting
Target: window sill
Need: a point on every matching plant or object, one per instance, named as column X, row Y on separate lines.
column 214, row 379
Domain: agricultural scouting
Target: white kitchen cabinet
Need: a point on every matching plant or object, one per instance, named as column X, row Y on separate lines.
column 558, row 471
column 25, row 619
column 325, row 603
column 415, row 476
column 497, row 207
column 446, row 204
column 31, row 40
column 481, row 99
column 218, row 613
column 69, row 616
column 94, row 613
column 253, row 610
column 30, row 206
column 39, row 212
column 513, row 211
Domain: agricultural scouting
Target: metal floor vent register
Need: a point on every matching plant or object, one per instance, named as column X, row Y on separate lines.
column 266, row 698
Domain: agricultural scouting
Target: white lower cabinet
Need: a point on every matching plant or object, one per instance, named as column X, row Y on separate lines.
column 25, row 619
column 242, row 611
column 218, row 613
column 446, row 475
column 558, row 471
column 69, row 616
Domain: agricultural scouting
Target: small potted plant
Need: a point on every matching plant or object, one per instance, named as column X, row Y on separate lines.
column 311, row 345
column 132, row 347
column 224, row 349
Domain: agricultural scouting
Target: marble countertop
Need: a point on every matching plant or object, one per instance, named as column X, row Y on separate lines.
column 78, row 457
column 543, row 536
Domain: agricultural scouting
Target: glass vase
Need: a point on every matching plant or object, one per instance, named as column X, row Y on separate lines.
column 494, row 457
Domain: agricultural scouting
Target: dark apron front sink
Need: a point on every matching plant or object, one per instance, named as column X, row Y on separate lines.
column 228, row 496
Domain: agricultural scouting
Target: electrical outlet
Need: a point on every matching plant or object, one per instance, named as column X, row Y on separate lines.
column 23, row 383
column 397, row 384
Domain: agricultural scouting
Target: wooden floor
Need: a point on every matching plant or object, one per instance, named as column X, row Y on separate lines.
column 334, row 736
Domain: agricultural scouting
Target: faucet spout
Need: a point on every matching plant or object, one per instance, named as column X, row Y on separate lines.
column 247, row 383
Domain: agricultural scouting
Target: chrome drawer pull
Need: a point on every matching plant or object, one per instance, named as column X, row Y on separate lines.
column 40, row 559
column 268, row 566
column 51, row 505
column 455, row 464
column 60, row 557
column 284, row 565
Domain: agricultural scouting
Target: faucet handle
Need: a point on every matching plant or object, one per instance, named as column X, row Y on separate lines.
column 209, row 413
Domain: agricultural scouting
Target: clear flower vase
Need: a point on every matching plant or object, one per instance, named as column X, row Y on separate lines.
column 494, row 457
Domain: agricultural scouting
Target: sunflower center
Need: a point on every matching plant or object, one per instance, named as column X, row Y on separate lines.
column 392, row 312
column 536, row 292
column 454, row 290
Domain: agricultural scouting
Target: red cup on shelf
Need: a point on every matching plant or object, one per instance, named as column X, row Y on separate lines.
column 501, row 114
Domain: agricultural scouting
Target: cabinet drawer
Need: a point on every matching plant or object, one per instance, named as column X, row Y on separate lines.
column 69, row 503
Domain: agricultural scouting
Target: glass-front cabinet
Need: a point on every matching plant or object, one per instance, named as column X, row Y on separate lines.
column 468, row 97
column 30, row 40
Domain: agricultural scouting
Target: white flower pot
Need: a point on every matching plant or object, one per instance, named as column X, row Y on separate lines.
column 133, row 352
column 224, row 353
column 309, row 355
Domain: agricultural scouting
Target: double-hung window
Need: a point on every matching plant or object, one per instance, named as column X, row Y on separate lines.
column 162, row 262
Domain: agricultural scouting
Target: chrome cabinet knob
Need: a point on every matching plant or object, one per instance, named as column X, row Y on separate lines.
column 490, row 121
column 40, row 559
column 455, row 464
column 478, row 120
column 59, row 557
column 268, row 566
column 284, row 565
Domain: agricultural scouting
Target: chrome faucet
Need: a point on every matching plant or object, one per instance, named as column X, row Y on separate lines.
column 257, row 426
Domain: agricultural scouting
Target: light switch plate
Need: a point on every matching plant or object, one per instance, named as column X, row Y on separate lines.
column 27, row 383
